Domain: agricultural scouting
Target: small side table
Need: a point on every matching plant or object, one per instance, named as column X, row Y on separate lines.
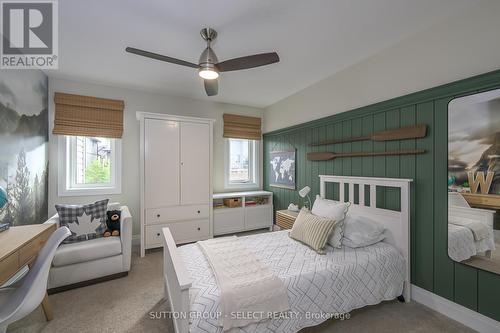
column 286, row 218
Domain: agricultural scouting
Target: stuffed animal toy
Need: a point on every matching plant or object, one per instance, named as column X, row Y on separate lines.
column 113, row 223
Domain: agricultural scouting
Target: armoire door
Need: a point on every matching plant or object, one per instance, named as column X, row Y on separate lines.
column 162, row 183
column 195, row 163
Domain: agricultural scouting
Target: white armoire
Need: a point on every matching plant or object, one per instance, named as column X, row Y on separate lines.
column 176, row 178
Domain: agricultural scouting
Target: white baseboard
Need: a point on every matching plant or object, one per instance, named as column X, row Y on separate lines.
column 455, row 311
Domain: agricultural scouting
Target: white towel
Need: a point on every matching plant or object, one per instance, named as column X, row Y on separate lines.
column 479, row 230
column 249, row 292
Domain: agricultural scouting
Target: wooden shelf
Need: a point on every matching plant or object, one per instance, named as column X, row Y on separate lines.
column 491, row 201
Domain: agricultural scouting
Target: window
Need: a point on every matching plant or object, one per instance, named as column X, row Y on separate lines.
column 89, row 166
column 241, row 161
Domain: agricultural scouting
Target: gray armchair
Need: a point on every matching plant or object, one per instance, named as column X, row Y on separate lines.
column 94, row 260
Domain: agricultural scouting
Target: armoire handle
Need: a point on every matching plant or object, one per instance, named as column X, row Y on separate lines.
column 198, row 212
column 157, row 215
column 158, row 234
column 199, row 228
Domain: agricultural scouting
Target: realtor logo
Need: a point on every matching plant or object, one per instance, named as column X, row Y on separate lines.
column 29, row 34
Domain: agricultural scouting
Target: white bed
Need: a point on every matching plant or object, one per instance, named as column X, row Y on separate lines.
column 338, row 282
column 321, row 285
column 461, row 243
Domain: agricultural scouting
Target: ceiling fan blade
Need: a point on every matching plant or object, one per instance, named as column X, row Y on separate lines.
column 161, row 57
column 252, row 61
column 211, row 87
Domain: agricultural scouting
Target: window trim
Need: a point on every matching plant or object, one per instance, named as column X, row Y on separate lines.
column 64, row 172
column 254, row 167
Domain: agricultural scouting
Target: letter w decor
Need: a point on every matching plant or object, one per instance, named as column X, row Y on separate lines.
column 479, row 181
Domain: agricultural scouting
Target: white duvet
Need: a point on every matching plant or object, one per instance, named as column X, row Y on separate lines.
column 461, row 243
column 245, row 284
column 318, row 286
column 479, row 229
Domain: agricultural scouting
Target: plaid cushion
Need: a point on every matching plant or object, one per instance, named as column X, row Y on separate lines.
column 85, row 222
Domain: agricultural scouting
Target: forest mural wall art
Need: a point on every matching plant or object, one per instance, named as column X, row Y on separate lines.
column 24, row 146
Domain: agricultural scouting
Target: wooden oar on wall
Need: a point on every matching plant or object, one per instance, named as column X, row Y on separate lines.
column 403, row 133
column 325, row 156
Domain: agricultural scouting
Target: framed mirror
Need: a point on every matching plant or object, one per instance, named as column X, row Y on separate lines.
column 474, row 180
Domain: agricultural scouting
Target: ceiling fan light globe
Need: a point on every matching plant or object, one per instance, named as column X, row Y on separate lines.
column 208, row 74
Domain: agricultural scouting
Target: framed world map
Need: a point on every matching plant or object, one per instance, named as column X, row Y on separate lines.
column 281, row 169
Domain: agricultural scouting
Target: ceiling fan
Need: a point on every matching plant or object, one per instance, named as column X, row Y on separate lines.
column 208, row 66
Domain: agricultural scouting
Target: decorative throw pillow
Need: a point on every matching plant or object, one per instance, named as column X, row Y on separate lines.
column 312, row 230
column 85, row 222
column 335, row 210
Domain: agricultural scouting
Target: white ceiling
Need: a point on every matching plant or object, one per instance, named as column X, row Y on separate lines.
column 314, row 39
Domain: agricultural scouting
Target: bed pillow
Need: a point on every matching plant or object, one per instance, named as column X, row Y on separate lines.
column 360, row 231
column 312, row 230
column 332, row 209
column 84, row 221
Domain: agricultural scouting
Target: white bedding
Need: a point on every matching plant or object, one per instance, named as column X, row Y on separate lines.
column 479, row 229
column 317, row 285
column 461, row 244
column 245, row 283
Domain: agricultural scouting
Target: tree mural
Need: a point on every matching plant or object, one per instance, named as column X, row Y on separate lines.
column 24, row 149
column 22, row 192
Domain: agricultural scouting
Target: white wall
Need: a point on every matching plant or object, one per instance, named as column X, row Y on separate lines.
column 457, row 48
column 138, row 101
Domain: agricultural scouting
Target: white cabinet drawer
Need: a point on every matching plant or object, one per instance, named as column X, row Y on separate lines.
column 176, row 213
column 229, row 220
column 258, row 216
column 182, row 232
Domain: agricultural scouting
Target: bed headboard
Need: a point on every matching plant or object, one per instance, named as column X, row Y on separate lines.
column 397, row 223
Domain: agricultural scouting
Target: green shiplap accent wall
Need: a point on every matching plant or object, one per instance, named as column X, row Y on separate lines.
column 431, row 267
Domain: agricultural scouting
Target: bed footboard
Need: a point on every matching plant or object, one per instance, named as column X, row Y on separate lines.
column 177, row 283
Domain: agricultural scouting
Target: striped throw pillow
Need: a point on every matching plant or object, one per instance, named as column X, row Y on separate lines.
column 312, row 230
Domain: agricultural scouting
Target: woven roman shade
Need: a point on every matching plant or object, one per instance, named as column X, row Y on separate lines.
column 242, row 127
column 88, row 116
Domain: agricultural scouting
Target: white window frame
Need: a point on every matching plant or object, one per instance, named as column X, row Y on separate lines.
column 254, row 168
column 67, row 188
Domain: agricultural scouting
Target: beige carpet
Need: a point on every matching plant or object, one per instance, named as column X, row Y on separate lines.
column 123, row 305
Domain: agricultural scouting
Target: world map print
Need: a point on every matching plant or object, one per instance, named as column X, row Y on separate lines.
column 282, row 169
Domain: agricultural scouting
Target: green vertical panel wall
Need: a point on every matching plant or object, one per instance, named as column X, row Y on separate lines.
column 424, row 200
column 443, row 267
column 488, row 297
column 431, row 267
column 466, row 277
